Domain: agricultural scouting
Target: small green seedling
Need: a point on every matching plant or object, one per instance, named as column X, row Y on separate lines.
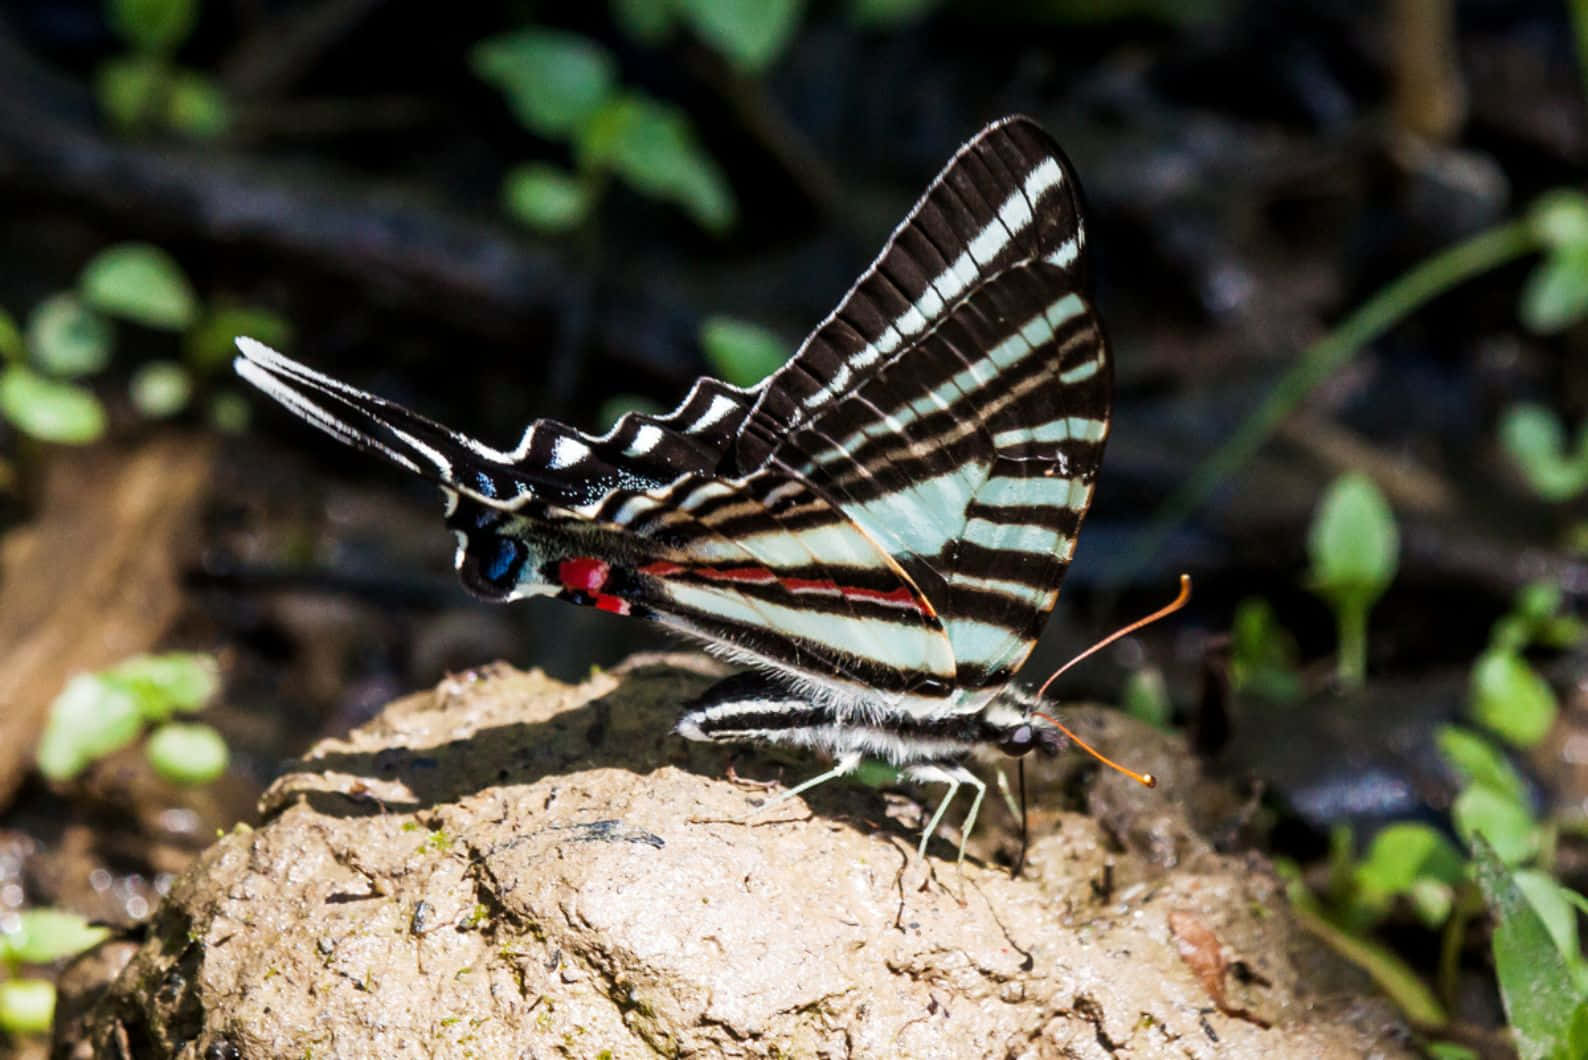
column 100, row 713
column 1510, row 699
column 143, row 90
column 38, row 936
column 189, row 754
column 71, row 335
column 1354, row 546
column 1555, row 296
column 1535, row 440
column 564, row 87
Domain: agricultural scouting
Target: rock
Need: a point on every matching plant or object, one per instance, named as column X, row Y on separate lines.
column 508, row 866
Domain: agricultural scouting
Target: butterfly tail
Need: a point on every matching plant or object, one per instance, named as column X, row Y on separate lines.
column 367, row 422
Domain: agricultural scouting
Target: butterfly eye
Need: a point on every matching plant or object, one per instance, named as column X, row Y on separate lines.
column 1020, row 740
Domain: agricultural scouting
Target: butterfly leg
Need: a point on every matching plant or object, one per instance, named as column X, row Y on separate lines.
column 953, row 774
column 846, row 763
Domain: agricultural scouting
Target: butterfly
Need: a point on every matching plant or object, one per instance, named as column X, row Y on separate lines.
column 877, row 531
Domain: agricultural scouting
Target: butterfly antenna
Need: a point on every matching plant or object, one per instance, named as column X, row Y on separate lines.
column 1145, row 779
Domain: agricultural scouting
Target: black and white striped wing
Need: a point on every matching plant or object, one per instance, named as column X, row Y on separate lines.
column 634, row 522
column 957, row 402
column 894, row 508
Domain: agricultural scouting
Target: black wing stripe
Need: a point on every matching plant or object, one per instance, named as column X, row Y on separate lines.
column 972, row 235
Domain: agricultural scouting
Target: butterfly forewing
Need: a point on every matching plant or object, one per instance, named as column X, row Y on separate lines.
column 1007, row 196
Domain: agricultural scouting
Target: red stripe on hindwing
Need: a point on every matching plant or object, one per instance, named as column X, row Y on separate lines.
column 903, row 596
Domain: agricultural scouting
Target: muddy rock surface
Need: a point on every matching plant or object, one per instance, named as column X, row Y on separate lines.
column 508, row 866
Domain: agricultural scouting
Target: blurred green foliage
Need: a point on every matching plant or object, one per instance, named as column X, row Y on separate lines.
column 188, row 753
column 100, row 713
column 564, row 87
column 1263, row 654
column 143, row 91
column 1541, row 984
column 27, row 1006
column 38, row 936
column 1555, row 295
column 71, row 335
column 49, row 409
column 1146, row 697
column 140, row 283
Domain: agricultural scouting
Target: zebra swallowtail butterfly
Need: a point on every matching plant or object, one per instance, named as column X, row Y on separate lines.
column 878, row 529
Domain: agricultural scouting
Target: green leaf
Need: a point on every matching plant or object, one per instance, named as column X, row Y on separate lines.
column 652, row 147
column 142, row 283
column 740, row 352
column 1483, row 813
column 88, row 720
column 48, row 409
column 67, row 338
column 547, row 198
column 12, row 348
column 1405, row 859
column 554, row 81
column 1532, row 436
column 888, row 14
column 1555, row 296
column 1477, row 761
column 646, row 21
column 751, row 33
column 1549, row 900
column 1405, row 852
column 1353, row 542
column 188, row 754
column 130, row 90
column 1559, row 218
column 211, row 344
column 1577, row 1031
column 160, row 389
column 27, row 1006
column 154, row 25
column 171, row 682
column 197, row 107
column 1511, row 700
column 43, row 936
column 1541, row 999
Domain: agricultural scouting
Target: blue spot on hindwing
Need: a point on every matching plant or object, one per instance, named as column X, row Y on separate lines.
column 502, row 567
